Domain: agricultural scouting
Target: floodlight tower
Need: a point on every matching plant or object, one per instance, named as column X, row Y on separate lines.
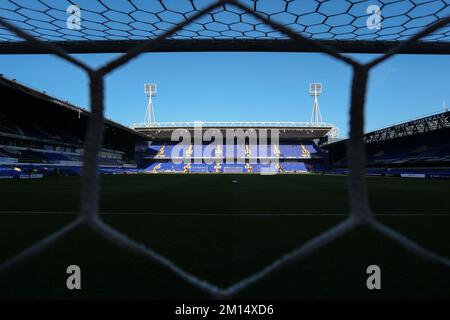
column 150, row 91
column 315, row 89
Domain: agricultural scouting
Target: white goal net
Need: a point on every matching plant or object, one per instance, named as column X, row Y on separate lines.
column 230, row 169
column 360, row 213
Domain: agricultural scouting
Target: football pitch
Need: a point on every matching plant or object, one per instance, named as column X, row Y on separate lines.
column 222, row 231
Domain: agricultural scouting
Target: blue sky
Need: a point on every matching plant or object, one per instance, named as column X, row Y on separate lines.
column 244, row 86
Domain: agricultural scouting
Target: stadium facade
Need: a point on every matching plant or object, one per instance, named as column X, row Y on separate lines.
column 42, row 136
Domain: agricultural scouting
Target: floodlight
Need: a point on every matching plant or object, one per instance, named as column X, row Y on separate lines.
column 315, row 89
column 150, row 89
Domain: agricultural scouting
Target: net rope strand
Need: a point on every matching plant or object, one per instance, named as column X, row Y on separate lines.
column 361, row 213
column 341, row 25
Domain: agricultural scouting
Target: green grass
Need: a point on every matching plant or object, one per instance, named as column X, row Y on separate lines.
column 214, row 229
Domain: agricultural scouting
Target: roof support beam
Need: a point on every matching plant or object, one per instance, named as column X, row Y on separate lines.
column 229, row 45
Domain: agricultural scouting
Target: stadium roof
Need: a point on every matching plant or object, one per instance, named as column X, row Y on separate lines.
column 63, row 104
column 117, row 26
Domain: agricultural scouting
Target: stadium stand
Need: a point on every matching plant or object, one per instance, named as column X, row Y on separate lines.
column 42, row 136
column 417, row 148
column 289, row 166
column 361, row 215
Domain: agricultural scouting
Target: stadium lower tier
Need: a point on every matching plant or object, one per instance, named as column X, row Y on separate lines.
column 289, row 167
column 428, row 149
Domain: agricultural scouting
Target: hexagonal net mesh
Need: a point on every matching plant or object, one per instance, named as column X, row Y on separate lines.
column 115, row 25
column 159, row 25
